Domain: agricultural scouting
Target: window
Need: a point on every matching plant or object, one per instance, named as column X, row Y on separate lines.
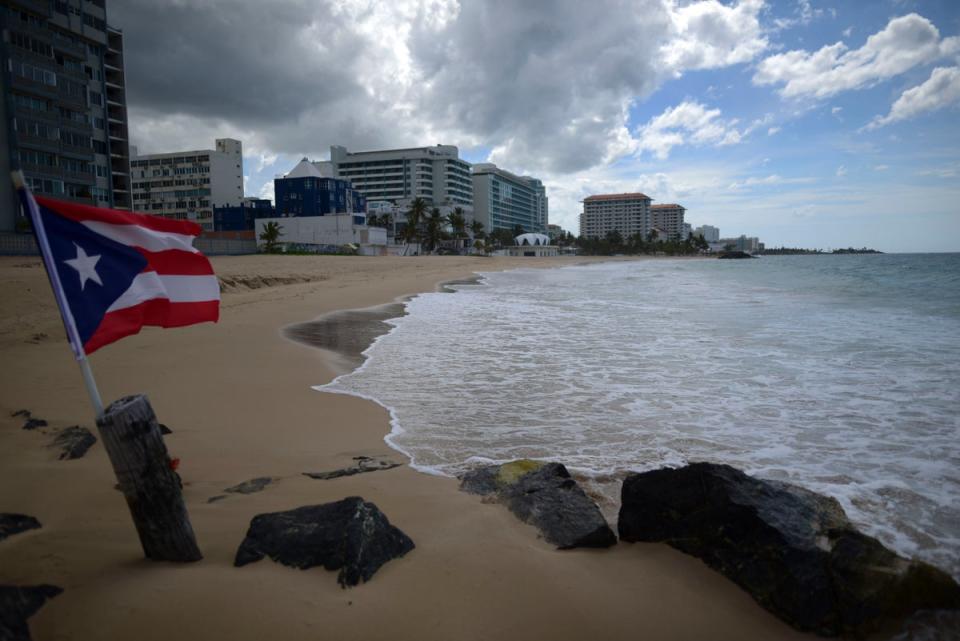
column 35, row 74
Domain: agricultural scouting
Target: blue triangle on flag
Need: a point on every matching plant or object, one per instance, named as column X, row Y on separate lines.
column 83, row 257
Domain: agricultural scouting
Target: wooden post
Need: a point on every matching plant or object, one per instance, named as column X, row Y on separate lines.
column 131, row 435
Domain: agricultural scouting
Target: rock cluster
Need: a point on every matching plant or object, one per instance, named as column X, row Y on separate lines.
column 546, row 496
column 73, row 442
column 11, row 524
column 17, row 604
column 793, row 550
column 362, row 465
column 350, row 535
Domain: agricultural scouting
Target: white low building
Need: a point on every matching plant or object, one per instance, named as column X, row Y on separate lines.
column 325, row 233
column 532, row 245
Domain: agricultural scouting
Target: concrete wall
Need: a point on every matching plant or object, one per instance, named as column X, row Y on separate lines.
column 323, row 230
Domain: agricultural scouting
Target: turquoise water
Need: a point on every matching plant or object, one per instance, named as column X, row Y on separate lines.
column 838, row 373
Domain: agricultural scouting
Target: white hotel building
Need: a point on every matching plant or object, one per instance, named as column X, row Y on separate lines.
column 188, row 184
column 435, row 174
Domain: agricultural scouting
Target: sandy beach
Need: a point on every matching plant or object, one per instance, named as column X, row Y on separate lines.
column 237, row 396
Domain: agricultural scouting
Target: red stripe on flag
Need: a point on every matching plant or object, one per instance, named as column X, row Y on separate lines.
column 176, row 262
column 80, row 213
column 158, row 312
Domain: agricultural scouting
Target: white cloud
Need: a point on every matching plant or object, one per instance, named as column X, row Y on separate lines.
column 836, row 110
column 804, row 14
column 905, row 43
column 772, row 130
column 881, row 167
column 847, row 32
column 841, row 171
column 708, row 34
column 772, row 179
column 687, row 123
column 940, row 90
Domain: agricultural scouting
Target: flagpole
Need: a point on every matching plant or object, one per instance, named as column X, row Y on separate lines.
column 73, row 336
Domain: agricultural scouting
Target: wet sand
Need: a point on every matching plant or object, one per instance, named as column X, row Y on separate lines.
column 238, row 398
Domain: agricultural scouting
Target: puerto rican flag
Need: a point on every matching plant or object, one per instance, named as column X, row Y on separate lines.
column 114, row 271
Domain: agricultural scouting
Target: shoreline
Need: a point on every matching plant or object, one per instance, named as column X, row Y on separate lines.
column 238, row 398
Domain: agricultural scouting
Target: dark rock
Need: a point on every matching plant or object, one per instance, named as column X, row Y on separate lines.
column 11, row 524
column 351, row 535
column 34, row 423
column 251, row 486
column 17, row 604
column 165, row 430
column 793, row 550
column 482, row 481
column 544, row 495
column 363, row 464
column 23, row 413
column 218, row 497
column 73, row 442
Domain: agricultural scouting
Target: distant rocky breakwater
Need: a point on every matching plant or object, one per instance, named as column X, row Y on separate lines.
column 794, row 551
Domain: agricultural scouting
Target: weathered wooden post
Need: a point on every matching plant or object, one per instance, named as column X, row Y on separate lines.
column 131, row 436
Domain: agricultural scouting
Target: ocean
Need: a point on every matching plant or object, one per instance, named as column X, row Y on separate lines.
column 840, row 373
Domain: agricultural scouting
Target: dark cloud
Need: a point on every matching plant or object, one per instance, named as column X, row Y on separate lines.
column 546, row 85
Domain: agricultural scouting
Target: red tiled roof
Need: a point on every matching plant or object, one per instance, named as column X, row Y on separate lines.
column 671, row 206
column 633, row 196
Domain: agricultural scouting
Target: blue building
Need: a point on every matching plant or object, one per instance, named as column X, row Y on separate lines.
column 307, row 192
column 241, row 217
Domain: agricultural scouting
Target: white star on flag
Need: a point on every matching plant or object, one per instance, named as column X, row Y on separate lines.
column 86, row 266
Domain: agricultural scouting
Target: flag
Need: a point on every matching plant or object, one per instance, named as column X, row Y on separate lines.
column 113, row 271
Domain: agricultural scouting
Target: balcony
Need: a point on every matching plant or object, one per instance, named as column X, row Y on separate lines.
column 33, row 87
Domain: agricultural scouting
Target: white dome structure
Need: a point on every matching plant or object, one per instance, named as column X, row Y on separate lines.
column 532, row 239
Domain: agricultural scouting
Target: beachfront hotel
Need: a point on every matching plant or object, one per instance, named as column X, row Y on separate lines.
column 502, row 200
column 628, row 214
column 64, row 83
column 186, row 185
column 668, row 219
column 435, row 174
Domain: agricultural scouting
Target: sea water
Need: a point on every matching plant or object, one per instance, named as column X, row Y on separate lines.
column 840, row 373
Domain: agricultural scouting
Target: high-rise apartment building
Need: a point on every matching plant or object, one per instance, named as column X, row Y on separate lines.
column 64, row 90
column 435, row 174
column 710, row 233
column 502, row 200
column 628, row 214
column 668, row 219
column 186, row 185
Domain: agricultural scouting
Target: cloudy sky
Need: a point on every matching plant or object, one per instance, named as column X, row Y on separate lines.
column 804, row 122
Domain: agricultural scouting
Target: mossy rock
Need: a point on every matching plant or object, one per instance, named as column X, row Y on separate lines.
column 513, row 471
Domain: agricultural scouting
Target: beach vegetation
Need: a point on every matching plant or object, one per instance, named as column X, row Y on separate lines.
column 415, row 219
column 458, row 223
column 435, row 231
column 271, row 236
column 476, row 228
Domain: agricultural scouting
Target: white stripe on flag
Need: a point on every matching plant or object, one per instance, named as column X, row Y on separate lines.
column 137, row 236
column 179, row 289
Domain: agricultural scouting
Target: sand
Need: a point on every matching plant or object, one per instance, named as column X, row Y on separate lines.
column 238, row 398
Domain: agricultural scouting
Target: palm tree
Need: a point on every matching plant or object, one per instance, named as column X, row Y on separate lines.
column 459, row 223
column 415, row 215
column 372, row 220
column 476, row 228
column 434, row 228
column 270, row 235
